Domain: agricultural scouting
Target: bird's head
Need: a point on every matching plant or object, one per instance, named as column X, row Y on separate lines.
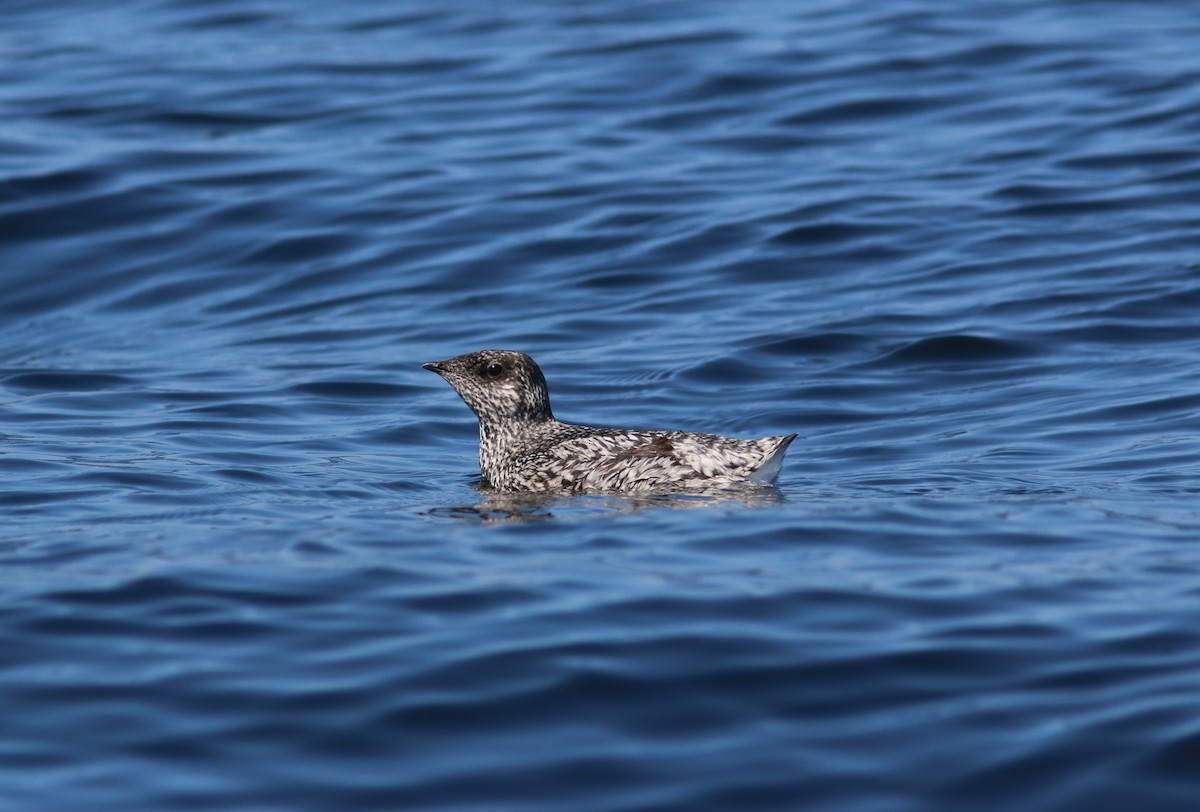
column 498, row 385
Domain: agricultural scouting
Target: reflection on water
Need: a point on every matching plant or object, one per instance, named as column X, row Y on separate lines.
column 497, row 506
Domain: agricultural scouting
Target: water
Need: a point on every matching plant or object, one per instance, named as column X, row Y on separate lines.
column 245, row 564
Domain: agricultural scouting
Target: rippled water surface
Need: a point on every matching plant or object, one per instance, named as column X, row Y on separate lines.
column 245, row 560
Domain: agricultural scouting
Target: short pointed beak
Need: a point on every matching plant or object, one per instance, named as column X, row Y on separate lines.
column 434, row 366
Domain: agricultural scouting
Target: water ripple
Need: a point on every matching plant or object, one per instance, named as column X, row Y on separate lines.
column 248, row 562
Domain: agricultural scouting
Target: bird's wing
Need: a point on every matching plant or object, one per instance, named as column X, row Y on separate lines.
column 613, row 459
column 623, row 460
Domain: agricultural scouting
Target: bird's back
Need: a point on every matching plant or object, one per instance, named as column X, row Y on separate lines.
column 583, row 458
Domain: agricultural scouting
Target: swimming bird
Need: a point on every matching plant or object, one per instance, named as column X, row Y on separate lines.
column 523, row 448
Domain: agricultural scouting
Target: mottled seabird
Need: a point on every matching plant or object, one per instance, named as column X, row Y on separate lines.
column 523, row 448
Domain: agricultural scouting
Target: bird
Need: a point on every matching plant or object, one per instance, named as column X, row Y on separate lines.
column 523, row 448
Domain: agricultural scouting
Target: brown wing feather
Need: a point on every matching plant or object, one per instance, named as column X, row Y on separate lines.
column 659, row 446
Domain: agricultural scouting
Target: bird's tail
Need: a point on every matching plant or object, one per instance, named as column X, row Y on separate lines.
column 768, row 471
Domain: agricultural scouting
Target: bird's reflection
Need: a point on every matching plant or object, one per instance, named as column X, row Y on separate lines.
column 496, row 506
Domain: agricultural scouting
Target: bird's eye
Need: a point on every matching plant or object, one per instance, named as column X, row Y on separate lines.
column 493, row 370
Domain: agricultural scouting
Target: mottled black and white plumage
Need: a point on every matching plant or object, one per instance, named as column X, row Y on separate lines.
column 523, row 448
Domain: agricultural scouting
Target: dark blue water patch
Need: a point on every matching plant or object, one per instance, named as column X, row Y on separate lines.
column 67, row 381
column 302, row 249
column 960, row 349
column 1135, row 160
column 32, row 498
column 1154, row 407
column 865, row 110
column 724, row 85
column 1071, row 208
column 815, row 346
column 825, row 233
column 679, row 41
column 67, row 182
column 103, row 212
column 356, row 390
column 236, row 19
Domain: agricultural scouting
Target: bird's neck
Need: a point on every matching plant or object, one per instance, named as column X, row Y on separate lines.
column 501, row 441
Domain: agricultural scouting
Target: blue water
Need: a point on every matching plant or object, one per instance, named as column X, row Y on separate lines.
column 245, row 561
